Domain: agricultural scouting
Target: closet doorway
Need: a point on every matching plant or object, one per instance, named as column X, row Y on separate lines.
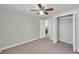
column 66, row 28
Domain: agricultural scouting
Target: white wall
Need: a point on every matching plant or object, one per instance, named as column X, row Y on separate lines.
column 16, row 28
column 42, row 28
column 77, row 30
column 65, row 29
column 77, row 24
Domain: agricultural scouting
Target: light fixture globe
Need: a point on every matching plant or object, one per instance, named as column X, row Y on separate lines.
column 41, row 12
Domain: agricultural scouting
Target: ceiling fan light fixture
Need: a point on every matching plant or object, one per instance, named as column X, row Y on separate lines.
column 41, row 12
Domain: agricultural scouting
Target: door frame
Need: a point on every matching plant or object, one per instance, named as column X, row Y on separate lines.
column 42, row 28
column 74, row 27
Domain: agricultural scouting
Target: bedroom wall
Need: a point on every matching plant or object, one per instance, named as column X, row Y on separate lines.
column 77, row 24
column 16, row 28
column 77, row 30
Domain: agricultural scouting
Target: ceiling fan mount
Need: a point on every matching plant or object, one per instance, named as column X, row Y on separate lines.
column 42, row 10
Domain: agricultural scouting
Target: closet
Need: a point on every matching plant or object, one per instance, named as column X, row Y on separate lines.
column 65, row 28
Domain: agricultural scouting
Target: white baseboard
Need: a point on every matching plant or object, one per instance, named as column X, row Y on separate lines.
column 65, row 41
column 77, row 50
column 54, row 41
column 18, row 44
column 0, row 51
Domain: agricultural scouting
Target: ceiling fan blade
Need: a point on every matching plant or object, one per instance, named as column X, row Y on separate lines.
column 40, row 6
column 49, row 9
column 46, row 13
column 34, row 10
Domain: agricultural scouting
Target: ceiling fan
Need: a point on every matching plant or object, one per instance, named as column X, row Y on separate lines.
column 42, row 10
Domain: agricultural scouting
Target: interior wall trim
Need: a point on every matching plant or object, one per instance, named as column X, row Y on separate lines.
column 65, row 41
column 77, row 50
column 19, row 44
column 74, row 26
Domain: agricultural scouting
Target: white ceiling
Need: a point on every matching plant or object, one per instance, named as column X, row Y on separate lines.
column 25, row 8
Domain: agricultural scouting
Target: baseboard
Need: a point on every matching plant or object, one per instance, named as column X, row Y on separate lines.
column 54, row 41
column 77, row 50
column 0, row 51
column 65, row 41
column 19, row 44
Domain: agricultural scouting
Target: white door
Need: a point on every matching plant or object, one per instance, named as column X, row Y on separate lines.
column 71, row 26
column 65, row 29
column 42, row 28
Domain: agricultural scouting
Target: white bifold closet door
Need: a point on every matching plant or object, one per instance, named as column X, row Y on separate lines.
column 65, row 29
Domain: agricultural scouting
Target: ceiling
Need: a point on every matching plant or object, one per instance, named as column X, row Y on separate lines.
column 25, row 8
